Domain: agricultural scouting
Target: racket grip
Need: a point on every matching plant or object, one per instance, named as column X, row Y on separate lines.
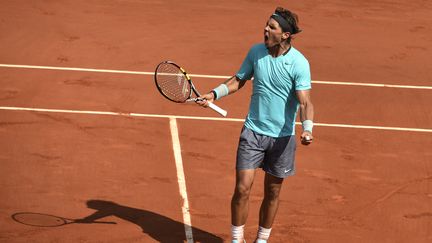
column 219, row 110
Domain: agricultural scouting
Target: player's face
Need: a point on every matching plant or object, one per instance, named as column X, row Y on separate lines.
column 272, row 33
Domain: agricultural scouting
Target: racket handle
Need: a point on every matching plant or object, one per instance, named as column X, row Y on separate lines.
column 219, row 110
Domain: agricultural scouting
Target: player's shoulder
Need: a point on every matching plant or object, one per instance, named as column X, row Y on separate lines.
column 257, row 51
column 260, row 47
column 297, row 56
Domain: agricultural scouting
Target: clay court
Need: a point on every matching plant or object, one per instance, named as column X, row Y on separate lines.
column 84, row 133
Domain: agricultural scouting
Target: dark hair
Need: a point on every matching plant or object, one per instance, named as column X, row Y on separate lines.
column 292, row 19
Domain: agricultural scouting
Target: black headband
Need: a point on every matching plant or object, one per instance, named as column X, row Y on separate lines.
column 284, row 24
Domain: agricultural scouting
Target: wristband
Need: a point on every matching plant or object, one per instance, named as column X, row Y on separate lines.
column 307, row 125
column 214, row 94
column 221, row 91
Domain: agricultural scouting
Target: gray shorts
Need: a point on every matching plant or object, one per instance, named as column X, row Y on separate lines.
column 274, row 155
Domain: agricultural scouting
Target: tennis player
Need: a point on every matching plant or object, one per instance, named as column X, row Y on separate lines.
column 281, row 87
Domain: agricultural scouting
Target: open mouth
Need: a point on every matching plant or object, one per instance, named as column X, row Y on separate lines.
column 266, row 37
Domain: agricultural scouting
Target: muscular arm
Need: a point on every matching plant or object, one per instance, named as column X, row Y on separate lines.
column 306, row 112
column 233, row 84
column 306, row 109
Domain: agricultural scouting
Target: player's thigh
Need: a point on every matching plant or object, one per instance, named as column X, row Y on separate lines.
column 244, row 181
column 250, row 153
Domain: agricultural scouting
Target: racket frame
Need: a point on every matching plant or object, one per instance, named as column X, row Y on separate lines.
column 192, row 88
column 216, row 108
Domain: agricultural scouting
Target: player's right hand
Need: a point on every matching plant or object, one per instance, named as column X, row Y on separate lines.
column 205, row 99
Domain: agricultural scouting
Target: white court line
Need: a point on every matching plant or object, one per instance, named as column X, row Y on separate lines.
column 181, row 179
column 403, row 129
column 209, row 76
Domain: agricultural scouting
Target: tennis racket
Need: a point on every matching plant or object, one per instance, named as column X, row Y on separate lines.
column 175, row 84
column 47, row 220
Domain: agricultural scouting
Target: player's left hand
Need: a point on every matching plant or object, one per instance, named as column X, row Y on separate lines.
column 306, row 138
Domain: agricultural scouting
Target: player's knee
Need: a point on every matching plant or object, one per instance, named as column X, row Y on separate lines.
column 272, row 194
column 242, row 192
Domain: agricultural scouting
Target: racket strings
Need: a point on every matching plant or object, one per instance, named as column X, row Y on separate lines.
column 172, row 82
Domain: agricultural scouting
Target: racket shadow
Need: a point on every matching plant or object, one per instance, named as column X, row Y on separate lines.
column 47, row 220
column 159, row 227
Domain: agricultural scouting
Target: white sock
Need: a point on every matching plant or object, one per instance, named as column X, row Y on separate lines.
column 263, row 233
column 237, row 232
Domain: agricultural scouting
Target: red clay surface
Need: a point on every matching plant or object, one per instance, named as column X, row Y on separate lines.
column 352, row 185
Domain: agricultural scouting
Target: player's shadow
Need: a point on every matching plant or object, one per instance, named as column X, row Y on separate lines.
column 159, row 227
